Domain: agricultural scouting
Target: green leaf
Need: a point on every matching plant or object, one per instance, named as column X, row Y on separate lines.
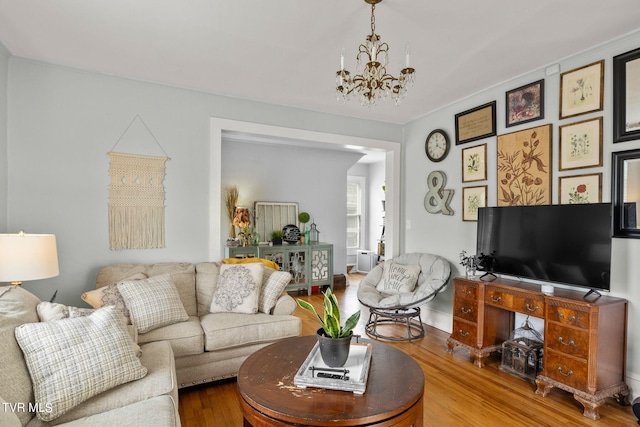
column 351, row 323
column 332, row 327
column 307, row 306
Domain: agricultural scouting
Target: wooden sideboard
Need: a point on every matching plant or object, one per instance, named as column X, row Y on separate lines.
column 584, row 339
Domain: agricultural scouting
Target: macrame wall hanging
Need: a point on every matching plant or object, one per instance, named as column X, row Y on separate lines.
column 136, row 198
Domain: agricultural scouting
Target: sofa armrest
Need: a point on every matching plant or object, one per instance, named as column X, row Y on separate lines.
column 284, row 305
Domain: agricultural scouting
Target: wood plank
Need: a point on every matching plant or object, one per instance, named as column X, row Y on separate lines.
column 457, row 393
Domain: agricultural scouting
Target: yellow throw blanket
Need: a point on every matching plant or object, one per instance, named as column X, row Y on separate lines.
column 266, row 262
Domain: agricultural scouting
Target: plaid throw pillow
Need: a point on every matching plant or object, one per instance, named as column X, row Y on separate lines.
column 109, row 295
column 273, row 284
column 153, row 302
column 62, row 357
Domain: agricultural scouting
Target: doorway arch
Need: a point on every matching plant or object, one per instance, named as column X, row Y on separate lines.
column 283, row 135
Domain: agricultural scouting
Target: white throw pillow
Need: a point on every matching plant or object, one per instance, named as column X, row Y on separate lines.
column 153, row 302
column 273, row 285
column 398, row 278
column 238, row 289
column 109, row 295
column 48, row 311
column 72, row 360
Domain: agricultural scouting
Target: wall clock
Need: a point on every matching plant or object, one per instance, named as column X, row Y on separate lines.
column 437, row 145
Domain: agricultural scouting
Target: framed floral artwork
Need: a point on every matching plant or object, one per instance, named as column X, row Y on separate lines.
column 525, row 104
column 472, row 199
column 474, row 163
column 582, row 90
column 580, row 189
column 524, row 167
column 581, row 144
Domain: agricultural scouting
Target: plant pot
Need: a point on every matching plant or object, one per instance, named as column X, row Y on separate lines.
column 334, row 351
column 276, row 240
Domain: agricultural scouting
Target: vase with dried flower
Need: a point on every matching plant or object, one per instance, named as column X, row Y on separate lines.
column 231, row 195
column 242, row 219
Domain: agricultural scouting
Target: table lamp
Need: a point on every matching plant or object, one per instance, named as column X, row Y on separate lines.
column 27, row 257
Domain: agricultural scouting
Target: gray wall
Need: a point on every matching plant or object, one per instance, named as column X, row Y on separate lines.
column 448, row 235
column 4, row 70
column 314, row 178
column 63, row 122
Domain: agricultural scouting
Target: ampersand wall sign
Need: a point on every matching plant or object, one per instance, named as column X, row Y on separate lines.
column 437, row 199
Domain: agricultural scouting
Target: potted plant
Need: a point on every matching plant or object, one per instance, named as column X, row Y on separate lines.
column 303, row 218
column 334, row 340
column 276, row 237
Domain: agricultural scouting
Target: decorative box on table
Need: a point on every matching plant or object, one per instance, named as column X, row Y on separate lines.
column 522, row 353
column 350, row 377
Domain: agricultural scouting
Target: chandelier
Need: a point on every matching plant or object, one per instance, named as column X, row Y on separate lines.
column 373, row 83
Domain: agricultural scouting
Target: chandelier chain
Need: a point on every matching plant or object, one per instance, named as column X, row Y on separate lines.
column 373, row 18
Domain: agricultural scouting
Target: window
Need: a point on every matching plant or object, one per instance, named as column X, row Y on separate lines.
column 355, row 217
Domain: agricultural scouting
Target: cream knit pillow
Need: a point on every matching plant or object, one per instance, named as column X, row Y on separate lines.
column 72, row 360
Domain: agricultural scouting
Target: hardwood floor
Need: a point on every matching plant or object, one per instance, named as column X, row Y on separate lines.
column 456, row 392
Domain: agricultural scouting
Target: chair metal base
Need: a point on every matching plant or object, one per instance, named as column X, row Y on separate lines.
column 409, row 316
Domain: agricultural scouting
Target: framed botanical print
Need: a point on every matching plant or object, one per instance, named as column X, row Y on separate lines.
column 525, row 104
column 472, row 199
column 524, row 167
column 582, row 90
column 580, row 189
column 581, row 144
column 474, row 163
column 476, row 123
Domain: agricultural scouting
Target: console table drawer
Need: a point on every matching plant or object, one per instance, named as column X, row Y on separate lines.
column 466, row 309
column 566, row 370
column 466, row 291
column 568, row 340
column 519, row 303
column 568, row 316
column 465, row 332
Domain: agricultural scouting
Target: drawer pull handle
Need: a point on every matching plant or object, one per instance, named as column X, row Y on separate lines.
column 467, row 292
column 567, row 374
column 532, row 309
column 462, row 333
column 571, row 319
column 570, row 343
column 494, row 299
column 465, row 310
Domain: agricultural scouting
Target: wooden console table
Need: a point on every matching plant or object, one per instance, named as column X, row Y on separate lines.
column 584, row 339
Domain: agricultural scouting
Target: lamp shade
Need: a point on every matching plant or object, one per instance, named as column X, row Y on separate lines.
column 28, row 257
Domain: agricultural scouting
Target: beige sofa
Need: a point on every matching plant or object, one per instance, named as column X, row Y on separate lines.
column 208, row 346
column 150, row 400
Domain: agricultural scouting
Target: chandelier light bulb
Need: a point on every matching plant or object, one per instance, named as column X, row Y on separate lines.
column 407, row 54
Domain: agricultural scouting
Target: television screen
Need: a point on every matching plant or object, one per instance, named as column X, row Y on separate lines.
column 568, row 244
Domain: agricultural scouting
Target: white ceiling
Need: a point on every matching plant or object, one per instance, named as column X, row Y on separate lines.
column 287, row 51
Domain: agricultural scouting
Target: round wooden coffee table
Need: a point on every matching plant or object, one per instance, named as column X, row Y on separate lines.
column 270, row 398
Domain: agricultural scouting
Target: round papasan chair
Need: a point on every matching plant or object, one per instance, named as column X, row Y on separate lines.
column 401, row 306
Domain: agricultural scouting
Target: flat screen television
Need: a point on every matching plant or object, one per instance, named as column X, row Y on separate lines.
column 566, row 244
